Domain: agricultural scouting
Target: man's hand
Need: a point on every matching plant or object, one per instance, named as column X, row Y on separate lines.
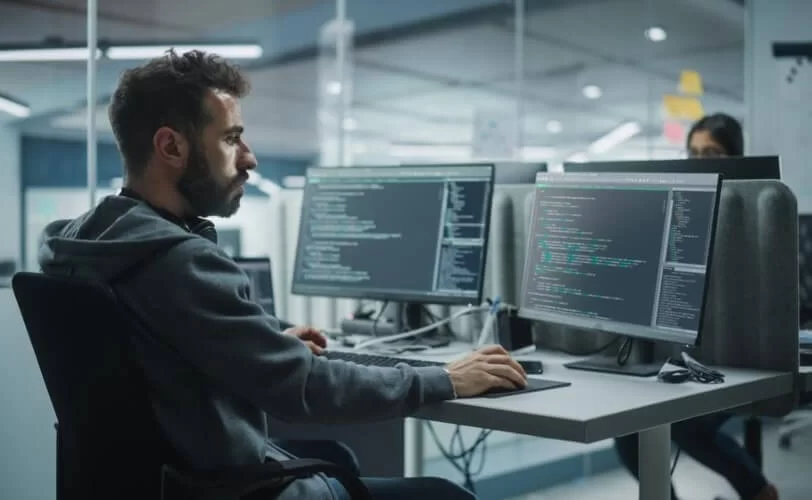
column 312, row 337
column 485, row 369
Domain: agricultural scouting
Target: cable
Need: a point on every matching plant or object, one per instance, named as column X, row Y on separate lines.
column 697, row 372
column 436, row 318
column 676, row 460
column 424, row 329
column 377, row 318
column 625, row 351
column 464, row 455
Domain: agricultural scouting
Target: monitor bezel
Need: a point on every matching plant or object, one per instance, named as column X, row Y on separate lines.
column 732, row 167
column 396, row 296
column 526, row 313
column 260, row 260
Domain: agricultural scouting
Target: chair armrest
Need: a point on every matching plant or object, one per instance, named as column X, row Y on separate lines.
column 237, row 482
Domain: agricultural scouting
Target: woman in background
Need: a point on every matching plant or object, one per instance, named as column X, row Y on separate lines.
column 714, row 136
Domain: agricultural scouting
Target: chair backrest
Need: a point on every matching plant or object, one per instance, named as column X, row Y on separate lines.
column 109, row 444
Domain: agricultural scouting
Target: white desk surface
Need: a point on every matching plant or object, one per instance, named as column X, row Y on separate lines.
column 599, row 406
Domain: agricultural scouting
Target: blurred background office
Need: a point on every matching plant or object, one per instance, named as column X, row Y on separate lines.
column 380, row 82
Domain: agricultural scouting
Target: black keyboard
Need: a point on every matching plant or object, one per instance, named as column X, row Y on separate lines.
column 377, row 359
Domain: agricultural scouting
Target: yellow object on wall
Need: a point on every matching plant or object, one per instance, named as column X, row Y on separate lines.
column 683, row 107
column 690, row 82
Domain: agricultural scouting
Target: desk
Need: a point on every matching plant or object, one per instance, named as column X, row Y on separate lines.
column 599, row 406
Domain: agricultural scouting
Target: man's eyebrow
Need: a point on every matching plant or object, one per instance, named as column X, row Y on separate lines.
column 236, row 129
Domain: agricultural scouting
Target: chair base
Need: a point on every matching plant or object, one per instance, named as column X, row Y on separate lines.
column 793, row 424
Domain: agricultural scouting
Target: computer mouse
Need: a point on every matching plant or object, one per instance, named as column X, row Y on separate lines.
column 675, row 376
column 531, row 367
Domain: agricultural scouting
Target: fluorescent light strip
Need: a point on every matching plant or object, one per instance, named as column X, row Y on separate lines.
column 42, row 55
column 429, row 151
column 229, row 51
column 614, row 138
column 528, row 153
column 14, row 108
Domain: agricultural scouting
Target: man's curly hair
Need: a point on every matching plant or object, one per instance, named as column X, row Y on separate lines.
column 168, row 91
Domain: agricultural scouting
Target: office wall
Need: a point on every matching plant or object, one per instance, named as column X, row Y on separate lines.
column 10, row 193
column 769, row 21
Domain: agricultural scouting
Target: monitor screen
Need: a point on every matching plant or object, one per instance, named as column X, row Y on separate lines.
column 741, row 168
column 406, row 233
column 621, row 253
column 260, row 288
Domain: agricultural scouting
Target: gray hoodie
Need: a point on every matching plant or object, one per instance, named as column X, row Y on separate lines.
column 216, row 362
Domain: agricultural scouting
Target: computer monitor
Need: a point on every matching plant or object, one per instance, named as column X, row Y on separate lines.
column 260, row 289
column 627, row 254
column 730, row 168
column 409, row 234
column 516, row 172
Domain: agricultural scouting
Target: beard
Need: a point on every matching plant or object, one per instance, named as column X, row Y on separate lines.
column 204, row 192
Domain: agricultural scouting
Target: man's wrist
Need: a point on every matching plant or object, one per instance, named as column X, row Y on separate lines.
column 451, row 381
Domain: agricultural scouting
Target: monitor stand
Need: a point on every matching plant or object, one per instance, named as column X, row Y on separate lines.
column 411, row 316
column 635, row 358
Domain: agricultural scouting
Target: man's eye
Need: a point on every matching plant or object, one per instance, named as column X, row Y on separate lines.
column 233, row 140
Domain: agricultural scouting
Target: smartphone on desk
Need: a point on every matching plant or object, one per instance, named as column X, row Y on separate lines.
column 531, row 367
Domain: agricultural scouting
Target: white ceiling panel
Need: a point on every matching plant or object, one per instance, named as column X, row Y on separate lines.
column 617, row 27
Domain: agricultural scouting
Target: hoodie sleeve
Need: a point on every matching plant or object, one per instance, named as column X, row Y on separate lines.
column 193, row 297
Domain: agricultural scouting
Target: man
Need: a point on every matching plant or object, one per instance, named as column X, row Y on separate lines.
column 216, row 361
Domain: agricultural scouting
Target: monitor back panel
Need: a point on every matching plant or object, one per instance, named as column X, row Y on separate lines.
column 744, row 168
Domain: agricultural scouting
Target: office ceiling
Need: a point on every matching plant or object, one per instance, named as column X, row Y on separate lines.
column 418, row 77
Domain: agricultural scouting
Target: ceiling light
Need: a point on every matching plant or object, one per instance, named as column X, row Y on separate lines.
column 615, row 137
column 592, row 92
column 350, row 124
column 578, row 157
column 537, row 153
column 228, row 51
column 430, row 151
column 46, row 54
column 656, row 34
column 14, row 108
column 333, row 87
column 554, row 127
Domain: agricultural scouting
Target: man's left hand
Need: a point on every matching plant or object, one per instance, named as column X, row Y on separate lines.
column 313, row 338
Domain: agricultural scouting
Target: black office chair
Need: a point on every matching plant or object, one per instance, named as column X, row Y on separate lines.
column 109, row 444
column 800, row 420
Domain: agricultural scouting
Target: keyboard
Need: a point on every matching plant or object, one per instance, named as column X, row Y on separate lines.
column 533, row 384
column 377, row 359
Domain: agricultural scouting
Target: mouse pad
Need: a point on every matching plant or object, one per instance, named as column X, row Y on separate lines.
column 533, row 385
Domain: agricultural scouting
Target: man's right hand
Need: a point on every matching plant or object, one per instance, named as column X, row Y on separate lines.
column 486, row 368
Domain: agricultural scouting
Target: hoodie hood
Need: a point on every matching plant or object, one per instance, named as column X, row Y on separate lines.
column 117, row 235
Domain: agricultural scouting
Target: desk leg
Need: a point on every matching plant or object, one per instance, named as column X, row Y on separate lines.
column 412, row 447
column 655, row 463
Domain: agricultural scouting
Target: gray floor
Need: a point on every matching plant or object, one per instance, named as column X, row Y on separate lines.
column 790, row 471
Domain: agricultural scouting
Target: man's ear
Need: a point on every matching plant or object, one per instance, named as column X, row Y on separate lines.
column 170, row 147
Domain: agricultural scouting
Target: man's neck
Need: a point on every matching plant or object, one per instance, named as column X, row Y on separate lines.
column 158, row 196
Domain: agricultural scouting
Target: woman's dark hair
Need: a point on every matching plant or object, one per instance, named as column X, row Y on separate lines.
column 724, row 129
column 167, row 91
